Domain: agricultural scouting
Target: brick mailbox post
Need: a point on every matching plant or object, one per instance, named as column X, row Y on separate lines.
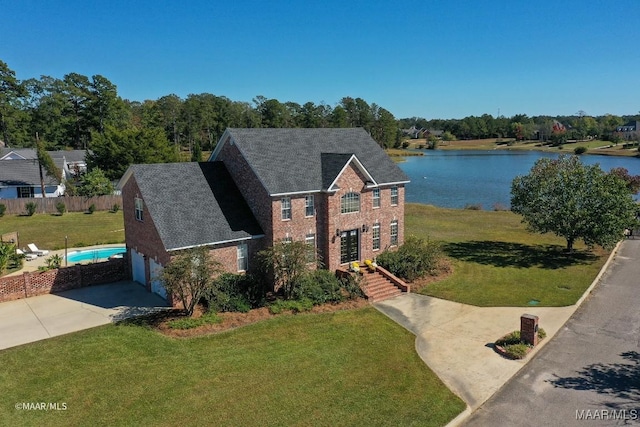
column 529, row 329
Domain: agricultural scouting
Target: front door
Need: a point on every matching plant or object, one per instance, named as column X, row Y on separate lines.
column 349, row 248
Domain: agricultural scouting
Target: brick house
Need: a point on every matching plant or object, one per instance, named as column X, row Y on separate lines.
column 334, row 189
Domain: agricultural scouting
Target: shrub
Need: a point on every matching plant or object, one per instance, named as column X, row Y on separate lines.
column 115, row 208
column 319, row 286
column 499, row 207
column 30, row 208
column 405, row 144
column 236, row 292
column 92, row 208
column 351, row 285
column 61, row 208
column 473, row 207
column 209, row 318
column 579, row 150
column 513, row 345
column 3, row 209
column 415, row 258
column 296, row 306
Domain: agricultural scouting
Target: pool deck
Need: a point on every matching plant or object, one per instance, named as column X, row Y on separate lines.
column 41, row 260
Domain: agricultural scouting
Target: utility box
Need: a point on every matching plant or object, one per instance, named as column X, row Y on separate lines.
column 529, row 329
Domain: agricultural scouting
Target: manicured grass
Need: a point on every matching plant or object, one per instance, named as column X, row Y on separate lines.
column 496, row 262
column 48, row 231
column 346, row 368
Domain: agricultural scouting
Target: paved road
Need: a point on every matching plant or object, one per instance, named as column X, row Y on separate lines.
column 589, row 374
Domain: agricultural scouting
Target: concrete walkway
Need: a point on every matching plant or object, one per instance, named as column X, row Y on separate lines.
column 456, row 340
column 45, row 316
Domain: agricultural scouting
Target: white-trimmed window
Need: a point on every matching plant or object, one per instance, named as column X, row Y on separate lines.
column 350, row 203
column 394, row 195
column 376, row 197
column 309, row 205
column 394, row 233
column 310, row 241
column 243, row 257
column 287, row 239
column 376, row 236
column 285, row 208
column 25, row 192
column 139, row 207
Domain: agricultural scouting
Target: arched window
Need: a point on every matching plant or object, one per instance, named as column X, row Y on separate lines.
column 349, row 203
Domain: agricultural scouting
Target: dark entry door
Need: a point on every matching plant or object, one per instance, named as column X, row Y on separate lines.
column 349, row 248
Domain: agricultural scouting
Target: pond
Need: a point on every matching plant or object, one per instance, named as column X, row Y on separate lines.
column 457, row 178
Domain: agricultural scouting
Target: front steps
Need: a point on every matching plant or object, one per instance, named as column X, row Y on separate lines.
column 377, row 287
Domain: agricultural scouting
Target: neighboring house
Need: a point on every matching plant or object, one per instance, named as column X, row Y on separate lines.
column 20, row 172
column 334, row 189
column 20, row 178
column 629, row 132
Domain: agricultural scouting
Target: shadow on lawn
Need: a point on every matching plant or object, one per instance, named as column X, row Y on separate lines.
column 505, row 254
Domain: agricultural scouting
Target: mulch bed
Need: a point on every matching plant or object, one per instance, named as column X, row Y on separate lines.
column 159, row 321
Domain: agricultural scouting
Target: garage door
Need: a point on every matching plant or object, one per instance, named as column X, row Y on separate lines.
column 137, row 267
column 156, row 284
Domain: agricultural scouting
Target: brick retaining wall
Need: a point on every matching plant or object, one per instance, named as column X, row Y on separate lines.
column 35, row 283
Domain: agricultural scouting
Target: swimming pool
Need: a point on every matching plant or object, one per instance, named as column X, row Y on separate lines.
column 94, row 255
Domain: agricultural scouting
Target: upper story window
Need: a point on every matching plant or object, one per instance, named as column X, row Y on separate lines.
column 394, row 195
column 309, row 206
column 243, row 257
column 139, row 207
column 349, row 203
column 285, row 208
column 376, row 197
column 394, row 233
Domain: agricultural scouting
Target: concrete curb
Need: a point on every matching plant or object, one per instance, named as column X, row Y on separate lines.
column 468, row 411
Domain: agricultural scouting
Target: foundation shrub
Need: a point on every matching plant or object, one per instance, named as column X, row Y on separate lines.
column 414, row 259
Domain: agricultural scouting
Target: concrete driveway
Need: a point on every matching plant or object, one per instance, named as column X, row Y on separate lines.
column 589, row 374
column 45, row 316
column 456, row 340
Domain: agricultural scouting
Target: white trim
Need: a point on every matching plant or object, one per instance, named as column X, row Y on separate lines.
column 330, row 190
column 359, row 165
column 295, row 193
column 222, row 242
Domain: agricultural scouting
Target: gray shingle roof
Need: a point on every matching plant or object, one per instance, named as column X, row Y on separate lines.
column 290, row 160
column 22, row 173
column 194, row 204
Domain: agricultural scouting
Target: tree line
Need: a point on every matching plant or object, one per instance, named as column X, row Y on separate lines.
column 86, row 112
column 522, row 127
column 83, row 112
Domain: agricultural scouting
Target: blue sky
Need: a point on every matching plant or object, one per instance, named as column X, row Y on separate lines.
column 432, row 59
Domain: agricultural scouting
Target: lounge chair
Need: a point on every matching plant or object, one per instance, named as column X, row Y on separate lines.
column 28, row 256
column 34, row 250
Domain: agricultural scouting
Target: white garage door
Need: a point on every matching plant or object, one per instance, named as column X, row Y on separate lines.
column 137, row 267
column 156, row 284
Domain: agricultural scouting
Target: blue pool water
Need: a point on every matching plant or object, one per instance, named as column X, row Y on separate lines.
column 94, row 254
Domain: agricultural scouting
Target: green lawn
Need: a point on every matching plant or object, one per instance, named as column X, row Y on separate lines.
column 346, row 368
column 48, row 231
column 496, row 262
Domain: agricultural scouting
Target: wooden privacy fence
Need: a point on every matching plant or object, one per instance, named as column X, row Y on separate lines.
column 72, row 203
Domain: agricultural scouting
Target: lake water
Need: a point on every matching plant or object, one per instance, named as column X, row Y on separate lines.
column 457, row 178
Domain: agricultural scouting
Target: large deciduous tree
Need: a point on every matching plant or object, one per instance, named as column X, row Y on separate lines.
column 574, row 201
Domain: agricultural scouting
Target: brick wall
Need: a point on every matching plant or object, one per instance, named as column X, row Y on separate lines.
column 31, row 284
column 250, row 187
column 141, row 235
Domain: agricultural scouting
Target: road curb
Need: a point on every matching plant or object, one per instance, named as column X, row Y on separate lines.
column 458, row 420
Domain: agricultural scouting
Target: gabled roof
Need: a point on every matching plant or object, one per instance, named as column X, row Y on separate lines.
column 17, row 153
column 289, row 161
column 334, row 164
column 22, row 172
column 193, row 204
